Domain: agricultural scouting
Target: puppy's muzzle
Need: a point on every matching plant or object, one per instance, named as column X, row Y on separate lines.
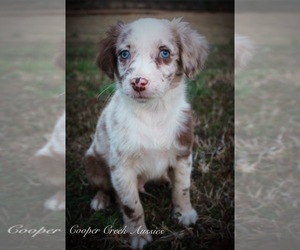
column 139, row 84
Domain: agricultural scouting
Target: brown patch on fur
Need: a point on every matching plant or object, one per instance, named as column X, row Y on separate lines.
column 97, row 172
column 186, row 136
column 177, row 41
column 178, row 76
column 159, row 61
column 106, row 58
column 128, row 211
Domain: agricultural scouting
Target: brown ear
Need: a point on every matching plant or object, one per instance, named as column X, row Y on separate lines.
column 106, row 58
column 193, row 47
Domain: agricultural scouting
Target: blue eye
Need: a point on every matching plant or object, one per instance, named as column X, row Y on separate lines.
column 164, row 53
column 125, row 54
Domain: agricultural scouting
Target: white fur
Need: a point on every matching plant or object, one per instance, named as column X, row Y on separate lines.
column 96, row 204
column 188, row 218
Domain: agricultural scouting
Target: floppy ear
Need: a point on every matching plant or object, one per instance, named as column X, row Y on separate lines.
column 106, row 58
column 192, row 46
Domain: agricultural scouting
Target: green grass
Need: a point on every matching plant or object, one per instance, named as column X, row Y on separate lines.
column 211, row 95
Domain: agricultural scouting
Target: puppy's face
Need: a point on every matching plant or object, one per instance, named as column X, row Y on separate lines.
column 148, row 59
column 150, row 56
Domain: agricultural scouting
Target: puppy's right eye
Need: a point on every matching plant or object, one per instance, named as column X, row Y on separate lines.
column 124, row 54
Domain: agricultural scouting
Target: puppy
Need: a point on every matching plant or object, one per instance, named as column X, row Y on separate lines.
column 146, row 130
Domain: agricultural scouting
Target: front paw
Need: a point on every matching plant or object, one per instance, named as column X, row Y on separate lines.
column 187, row 218
column 100, row 201
column 138, row 241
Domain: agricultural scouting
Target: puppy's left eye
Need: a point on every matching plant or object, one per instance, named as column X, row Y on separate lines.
column 164, row 53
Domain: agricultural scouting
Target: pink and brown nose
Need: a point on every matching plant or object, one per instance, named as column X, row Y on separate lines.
column 139, row 84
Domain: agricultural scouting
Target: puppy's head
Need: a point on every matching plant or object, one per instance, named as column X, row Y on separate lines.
column 149, row 56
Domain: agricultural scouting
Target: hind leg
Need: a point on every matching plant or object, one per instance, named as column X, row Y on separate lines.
column 100, row 201
column 98, row 175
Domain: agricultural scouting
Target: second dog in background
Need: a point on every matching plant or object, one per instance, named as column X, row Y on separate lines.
column 146, row 131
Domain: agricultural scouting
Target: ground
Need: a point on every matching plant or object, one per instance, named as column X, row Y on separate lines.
column 211, row 95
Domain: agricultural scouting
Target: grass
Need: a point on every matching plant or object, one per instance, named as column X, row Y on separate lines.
column 211, row 95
